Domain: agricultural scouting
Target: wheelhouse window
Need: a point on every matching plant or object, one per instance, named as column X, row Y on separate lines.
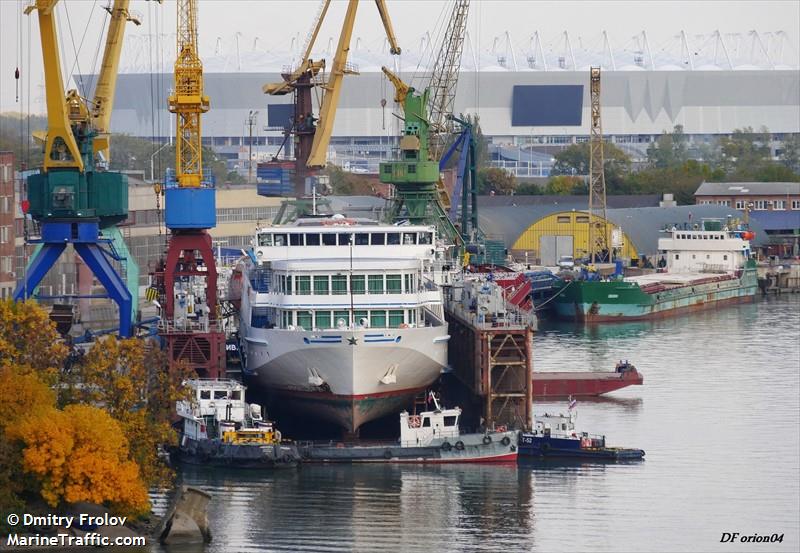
column 296, row 239
column 393, row 238
column 409, row 238
column 362, row 239
column 358, row 284
column 312, row 239
column 205, row 394
column 265, row 239
column 378, row 239
column 375, row 284
column 279, row 239
column 344, row 239
column 328, row 239
column 425, row 237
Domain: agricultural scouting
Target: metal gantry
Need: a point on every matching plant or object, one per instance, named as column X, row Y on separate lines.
column 444, row 78
column 599, row 243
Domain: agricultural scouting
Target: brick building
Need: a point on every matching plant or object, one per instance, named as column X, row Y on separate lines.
column 775, row 205
column 7, row 276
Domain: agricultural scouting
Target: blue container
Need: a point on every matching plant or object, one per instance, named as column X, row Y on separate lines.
column 190, row 208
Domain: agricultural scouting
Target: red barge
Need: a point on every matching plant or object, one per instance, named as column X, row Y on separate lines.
column 594, row 383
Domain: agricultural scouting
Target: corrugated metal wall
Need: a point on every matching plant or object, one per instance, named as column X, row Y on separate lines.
column 565, row 223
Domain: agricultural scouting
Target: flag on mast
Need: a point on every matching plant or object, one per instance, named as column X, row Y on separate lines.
column 572, row 403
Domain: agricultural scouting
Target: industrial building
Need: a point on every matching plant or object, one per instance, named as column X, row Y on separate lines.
column 775, row 206
column 540, row 234
column 531, row 103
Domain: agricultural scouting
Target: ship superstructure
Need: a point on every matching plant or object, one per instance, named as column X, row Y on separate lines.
column 345, row 317
column 702, row 265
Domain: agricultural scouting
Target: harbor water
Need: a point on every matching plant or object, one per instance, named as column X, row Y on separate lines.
column 718, row 415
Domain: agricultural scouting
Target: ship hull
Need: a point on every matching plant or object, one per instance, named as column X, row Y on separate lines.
column 612, row 301
column 343, row 376
column 565, row 384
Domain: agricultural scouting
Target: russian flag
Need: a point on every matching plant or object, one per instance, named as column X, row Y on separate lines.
column 572, row 403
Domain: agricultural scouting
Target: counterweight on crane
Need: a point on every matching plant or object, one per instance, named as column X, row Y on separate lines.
column 76, row 203
column 188, row 277
column 599, row 249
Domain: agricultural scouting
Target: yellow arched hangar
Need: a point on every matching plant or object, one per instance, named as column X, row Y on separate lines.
column 567, row 233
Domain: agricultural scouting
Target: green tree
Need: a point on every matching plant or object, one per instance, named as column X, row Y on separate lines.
column 565, row 185
column 499, row 181
column 574, row 160
column 790, row 152
column 669, row 150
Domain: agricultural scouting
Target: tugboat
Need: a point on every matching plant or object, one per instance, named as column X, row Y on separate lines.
column 555, row 436
column 220, row 429
column 430, row 437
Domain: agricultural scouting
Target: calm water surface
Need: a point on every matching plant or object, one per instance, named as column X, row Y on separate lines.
column 719, row 417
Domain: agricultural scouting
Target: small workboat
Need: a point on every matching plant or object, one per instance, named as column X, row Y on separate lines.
column 555, row 436
column 217, row 428
column 429, row 437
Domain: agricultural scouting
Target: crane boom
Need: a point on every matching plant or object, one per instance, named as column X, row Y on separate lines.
column 61, row 149
column 188, row 102
column 107, row 78
column 445, row 77
column 327, row 112
column 598, row 228
column 394, row 48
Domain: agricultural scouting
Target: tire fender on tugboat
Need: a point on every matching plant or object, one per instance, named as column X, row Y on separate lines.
column 506, row 440
column 460, row 445
column 487, row 440
column 446, row 446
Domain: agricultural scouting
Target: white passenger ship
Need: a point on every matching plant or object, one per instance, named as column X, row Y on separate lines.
column 343, row 319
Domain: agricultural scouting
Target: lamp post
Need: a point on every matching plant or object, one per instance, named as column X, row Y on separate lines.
column 251, row 121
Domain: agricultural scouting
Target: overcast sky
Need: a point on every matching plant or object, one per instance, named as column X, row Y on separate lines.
column 275, row 23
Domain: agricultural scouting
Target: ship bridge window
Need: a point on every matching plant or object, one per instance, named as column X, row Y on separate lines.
column 312, row 239
column 362, row 239
column 450, row 421
column 378, row 238
column 581, row 219
column 279, row 239
column 265, row 239
column 409, row 238
column 205, row 394
column 329, row 239
column 426, row 422
column 344, row 239
column 220, row 394
column 236, row 395
column 425, row 238
column 296, row 239
column 393, row 238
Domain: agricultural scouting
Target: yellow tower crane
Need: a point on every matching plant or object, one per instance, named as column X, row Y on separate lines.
column 188, row 102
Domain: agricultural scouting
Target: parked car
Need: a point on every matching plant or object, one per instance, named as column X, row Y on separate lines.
column 566, row 262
